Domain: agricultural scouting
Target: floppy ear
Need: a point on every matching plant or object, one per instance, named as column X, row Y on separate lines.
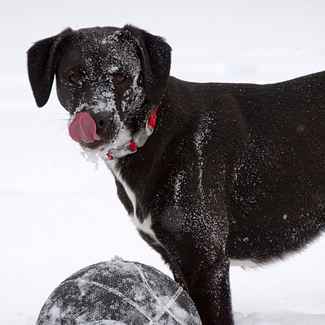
column 41, row 62
column 155, row 59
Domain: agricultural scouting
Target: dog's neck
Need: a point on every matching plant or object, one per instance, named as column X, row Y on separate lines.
column 139, row 176
column 143, row 167
column 137, row 140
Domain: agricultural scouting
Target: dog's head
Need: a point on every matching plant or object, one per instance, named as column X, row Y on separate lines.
column 108, row 79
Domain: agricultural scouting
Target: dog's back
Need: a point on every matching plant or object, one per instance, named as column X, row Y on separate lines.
column 275, row 138
column 278, row 176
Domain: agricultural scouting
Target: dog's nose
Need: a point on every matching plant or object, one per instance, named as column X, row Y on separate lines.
column 83, row 128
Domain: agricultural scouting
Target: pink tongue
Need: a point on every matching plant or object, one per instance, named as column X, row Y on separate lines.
column 83, row 128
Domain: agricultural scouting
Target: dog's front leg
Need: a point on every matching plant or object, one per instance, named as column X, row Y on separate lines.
column 199, row 249
column 211, row 292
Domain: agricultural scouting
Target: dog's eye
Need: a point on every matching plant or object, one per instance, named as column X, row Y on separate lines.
column 75, row 77
column 119, row 77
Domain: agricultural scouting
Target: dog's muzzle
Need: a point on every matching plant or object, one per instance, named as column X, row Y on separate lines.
column 83, row 130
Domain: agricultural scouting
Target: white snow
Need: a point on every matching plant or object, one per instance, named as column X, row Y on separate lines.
column 180, row 177
column 283, row 318
column 58, row 214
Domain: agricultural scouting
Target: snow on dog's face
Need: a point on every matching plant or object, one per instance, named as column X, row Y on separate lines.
column 100, row 73
column 107, row 79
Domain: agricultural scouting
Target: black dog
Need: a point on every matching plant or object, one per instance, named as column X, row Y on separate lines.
column 209, row 172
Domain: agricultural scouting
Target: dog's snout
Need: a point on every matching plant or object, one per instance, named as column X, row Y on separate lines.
column 90, row 128
column 97, row 104
column 94, row 103
column 101, row 123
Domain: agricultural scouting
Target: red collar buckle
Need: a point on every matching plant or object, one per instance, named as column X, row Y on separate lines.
column 152, row 120
column 133, row 146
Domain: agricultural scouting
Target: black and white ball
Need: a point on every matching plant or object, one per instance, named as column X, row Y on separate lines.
column 118, row 292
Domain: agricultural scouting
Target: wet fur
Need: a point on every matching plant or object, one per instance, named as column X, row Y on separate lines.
column 233, row 171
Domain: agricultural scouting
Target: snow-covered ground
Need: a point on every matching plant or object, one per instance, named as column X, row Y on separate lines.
column 59, row 214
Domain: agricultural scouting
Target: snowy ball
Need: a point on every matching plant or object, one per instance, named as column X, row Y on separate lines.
column 118, row 292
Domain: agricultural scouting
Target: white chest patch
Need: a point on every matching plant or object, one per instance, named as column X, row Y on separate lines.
column 146, row 225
